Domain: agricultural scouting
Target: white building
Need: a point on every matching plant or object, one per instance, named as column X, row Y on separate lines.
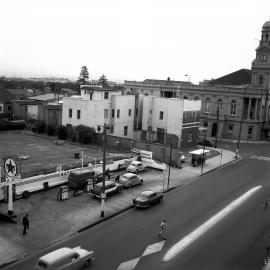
column 96, row 106
column 173, row 116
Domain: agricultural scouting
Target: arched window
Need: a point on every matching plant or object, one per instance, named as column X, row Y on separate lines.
column 261, row 79
column 185, row 97
column 207, row 105
column 219, row 105
column 233, row 107
column 128, row 93
column 146, row 94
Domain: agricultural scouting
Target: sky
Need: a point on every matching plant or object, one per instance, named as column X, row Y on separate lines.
column 130, row 39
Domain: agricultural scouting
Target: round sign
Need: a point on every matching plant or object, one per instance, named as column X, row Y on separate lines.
column 10, row 167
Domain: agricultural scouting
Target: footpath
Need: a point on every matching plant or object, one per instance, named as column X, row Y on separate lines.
column 52, row 220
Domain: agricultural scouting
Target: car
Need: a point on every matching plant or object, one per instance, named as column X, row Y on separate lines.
column 207, row 142
column 148, row 198
column 135, row 167
column 129, row 180
column 110, row 189
column 65, row 259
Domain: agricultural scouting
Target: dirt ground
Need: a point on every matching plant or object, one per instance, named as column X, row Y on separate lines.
column 43, row 152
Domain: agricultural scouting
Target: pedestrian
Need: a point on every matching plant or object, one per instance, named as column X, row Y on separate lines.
column 117, row 178
column 25, row 223
column 163, row 228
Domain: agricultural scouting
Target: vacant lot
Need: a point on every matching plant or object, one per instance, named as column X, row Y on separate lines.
column 43, row 153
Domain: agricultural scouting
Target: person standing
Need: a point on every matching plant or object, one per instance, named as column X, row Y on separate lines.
column 25, row 223
column 163, row 227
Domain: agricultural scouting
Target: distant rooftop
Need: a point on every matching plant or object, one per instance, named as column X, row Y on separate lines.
column 240, row 77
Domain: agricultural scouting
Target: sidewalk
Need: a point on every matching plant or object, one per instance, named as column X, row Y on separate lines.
column 52, row 220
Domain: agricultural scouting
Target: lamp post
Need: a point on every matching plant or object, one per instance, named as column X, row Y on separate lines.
column 217, row 126
column 239, row 137
column 103, row 195
column 169, row 173
column 203, row 151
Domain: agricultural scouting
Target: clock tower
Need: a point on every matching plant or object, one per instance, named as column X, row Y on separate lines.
column 261, row 64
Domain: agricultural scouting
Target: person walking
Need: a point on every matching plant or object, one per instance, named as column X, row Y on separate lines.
column 25, row 223
column 163, row 228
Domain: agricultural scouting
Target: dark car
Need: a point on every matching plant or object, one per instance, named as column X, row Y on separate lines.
column 110, row 189
column 148, row 198
column 207, row 142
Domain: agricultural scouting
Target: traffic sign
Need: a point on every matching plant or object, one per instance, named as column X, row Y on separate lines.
column 10, row 167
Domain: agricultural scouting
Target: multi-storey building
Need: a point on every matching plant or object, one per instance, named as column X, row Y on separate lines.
column 231, row 107
column 97, row 106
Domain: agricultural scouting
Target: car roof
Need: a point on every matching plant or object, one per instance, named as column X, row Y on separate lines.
column 135, row 162
column 57, row 255
column 107, row 182
column 129, row 174
column 147, row 192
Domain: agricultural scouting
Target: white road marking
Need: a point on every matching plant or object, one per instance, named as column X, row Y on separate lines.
column 129, row 265
column 190, row 238
column 154, row 248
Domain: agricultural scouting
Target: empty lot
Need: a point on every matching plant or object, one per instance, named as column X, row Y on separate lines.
column 43, row 153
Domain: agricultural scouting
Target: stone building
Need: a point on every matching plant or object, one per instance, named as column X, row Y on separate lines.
column 233, row 106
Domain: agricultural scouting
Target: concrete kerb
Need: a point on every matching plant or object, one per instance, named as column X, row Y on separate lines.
column 71, row 234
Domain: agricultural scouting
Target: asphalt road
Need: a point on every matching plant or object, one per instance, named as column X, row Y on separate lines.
column 237, row 241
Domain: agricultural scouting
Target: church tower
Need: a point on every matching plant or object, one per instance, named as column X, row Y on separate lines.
column 261, row 64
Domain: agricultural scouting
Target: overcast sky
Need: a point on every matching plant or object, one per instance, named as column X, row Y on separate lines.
column 130, row 39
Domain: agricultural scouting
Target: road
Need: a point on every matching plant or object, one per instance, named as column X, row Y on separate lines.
column 236, row 241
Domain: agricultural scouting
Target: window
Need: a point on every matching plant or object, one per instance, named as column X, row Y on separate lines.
column 112, row 113
column 78, row 114
column 230, row 129
column 207, row 105
column 205, row 124
column 70, row 113
column 106, row 113
column 111, row 129
column 160, row 130
column 125, row 130
column 219, row 107
column 91, row 95
column 129, row 112
column 260, row 79
column 189, row 137
column 0, row 109
column 185, row 97
column 233, row 107
column 250, row 131
column 161, row 114
column 118, row 113
column 9, row 108
column 106, row 95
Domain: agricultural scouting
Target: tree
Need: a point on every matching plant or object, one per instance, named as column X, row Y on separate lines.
column 103, row 81
column 84, row 75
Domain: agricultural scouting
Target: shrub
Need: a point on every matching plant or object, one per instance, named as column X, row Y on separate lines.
column 62, row 133
column 85, row 134
column 34, row 129
column 41, row 127
column 51, row 130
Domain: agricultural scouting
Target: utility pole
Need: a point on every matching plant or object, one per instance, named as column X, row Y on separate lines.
column 239, row 136
column 103, row 195
column 203, row 151
column 169, row 173
column 217, row 126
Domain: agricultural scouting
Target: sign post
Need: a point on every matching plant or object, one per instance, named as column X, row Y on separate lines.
column 10, row 168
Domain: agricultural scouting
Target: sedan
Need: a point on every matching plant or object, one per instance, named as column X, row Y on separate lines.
column 129, row 180
column 148, row 198
column 135, row 167
column 207, row 142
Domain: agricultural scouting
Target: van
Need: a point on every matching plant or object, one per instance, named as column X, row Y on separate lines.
column 78, row 178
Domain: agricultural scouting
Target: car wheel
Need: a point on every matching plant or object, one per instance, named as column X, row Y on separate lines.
column 87, row 263
column 26, row 194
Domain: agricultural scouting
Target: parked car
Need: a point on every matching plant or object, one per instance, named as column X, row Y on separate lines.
column 110, row 189
column 66, row 259
column 148, row 198
column 135, row 167
column 129, row 180
column 207, row 142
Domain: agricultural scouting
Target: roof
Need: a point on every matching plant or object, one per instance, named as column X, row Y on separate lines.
column 165, row 81
column 266, row 25
column 240, row 77
column 46, row 97
column 97, row 88
column 199, row 151
column 57, row 254
column 24, row 92
column 5, row 96
column 26, row 102
column 147, row 192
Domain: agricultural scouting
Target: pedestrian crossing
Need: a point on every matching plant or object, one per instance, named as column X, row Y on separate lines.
column 150, row 249
column 260, row 158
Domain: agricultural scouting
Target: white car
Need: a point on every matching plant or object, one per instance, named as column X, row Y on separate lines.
column 65, row 259
column 129, row 180
column 135, row 167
